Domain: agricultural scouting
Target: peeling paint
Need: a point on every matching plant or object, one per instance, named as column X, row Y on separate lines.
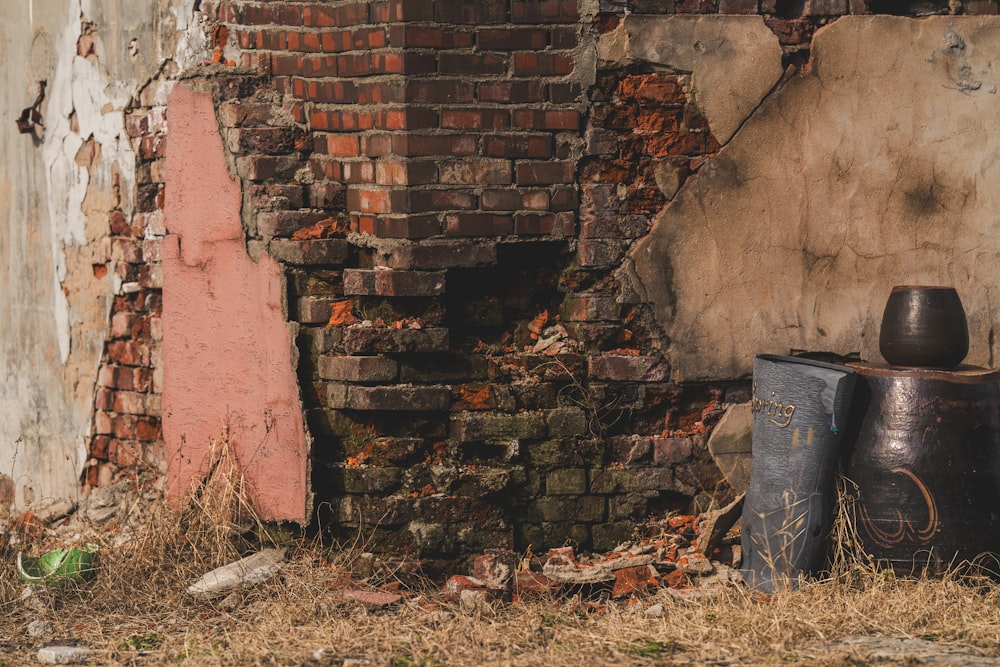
column 54, row 207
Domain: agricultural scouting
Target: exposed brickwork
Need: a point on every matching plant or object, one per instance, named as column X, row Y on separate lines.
column 126, row 432
column 452, row 194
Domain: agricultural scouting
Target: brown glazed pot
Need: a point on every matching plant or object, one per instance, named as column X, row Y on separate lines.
column 925, row 460
column 924, row 326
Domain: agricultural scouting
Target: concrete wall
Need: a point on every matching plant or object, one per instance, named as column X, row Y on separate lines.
column 57, row 188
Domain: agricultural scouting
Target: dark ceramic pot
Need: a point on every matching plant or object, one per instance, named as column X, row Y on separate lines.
column 925, row 327
column 925, row 467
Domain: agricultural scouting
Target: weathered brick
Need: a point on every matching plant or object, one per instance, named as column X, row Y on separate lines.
column 462, row 11
column 531, row 63
column 285, row 223
column 544, row 173
column 601, row 253
column 358, row 369
column 518, row 146
column 591, row 308
column 566, row 422
column 625, row 368
column 264, row 167
column 397, row 226
column 399, row 397
column 475, row 172
column 375, row 340
column 476, row 426
column 511, row 92
column 478, row 224
column 309, row 252
column 544, row 11
column 566, row 482
column 627, row 480
column 672, row 451
column 314, row 311
column 443, row 255
column 512, row 39
column 382, row 282
column 475, row 119
column 366, row 479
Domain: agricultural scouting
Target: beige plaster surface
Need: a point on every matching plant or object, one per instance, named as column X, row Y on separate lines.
column 876, row 167
column 734, row 61
column 227, row 350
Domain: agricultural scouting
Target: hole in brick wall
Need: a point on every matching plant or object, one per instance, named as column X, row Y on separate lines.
column 666, row 502
column 489, row 304
column 787, row 9
column 909, row 7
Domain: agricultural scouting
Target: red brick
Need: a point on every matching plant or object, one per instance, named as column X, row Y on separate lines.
column 399, row 227
column 402, row 10
column 358, row 172
column 542, row 64
column 367, row 282
column 405, row 173
column 514, row 92
column 661, row 88
column 547, row 120
column 518, row 146
column 338, row 145
column 544, row 173
column 544, row 11
column 415, row 145
column 478, row 224
column 125, row 353
column 463, row 11
column 421, row 201
column 377, row 200
column 465, row 63
column 429, row 37
column 408, row 118
column 475, row 119
column 514, row 200
column 450, row 91
column 266, row 167
column 626, row 368
column 631, row 580
column 591, row 308
column 286, row 223
column 443, row 255
column 516, row 39
column 475, row 172
column 392, row 398
column 358, row 369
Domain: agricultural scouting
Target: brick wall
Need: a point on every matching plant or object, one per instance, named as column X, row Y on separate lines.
column 451, row 188
column 126, row 434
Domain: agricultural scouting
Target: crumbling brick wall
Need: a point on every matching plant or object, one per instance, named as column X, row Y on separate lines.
column 451, row 188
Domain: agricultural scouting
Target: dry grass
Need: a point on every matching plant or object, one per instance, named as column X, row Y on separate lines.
column 137, row 612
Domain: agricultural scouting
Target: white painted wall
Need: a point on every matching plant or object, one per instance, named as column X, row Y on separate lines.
column 54, row 210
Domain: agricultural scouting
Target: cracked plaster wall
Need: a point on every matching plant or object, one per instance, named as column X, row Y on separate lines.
column 56, row 191
column 873, row 167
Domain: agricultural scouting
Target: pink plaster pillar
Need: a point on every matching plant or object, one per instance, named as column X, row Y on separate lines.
column 227, row 350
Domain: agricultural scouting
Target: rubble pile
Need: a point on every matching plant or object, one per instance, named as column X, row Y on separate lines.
column 687, row 555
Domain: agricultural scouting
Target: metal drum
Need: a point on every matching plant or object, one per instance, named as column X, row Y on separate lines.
column 926, row 465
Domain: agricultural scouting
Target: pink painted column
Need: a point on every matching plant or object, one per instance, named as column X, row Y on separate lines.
column 227, row 350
